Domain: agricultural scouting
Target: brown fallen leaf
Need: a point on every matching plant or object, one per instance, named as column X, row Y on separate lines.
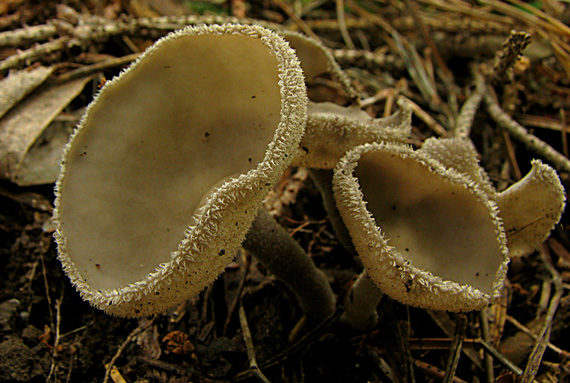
column 19, row 84
column 22, row 126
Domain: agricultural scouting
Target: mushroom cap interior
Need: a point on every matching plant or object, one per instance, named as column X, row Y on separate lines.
column 201, row 106
column 439, row 226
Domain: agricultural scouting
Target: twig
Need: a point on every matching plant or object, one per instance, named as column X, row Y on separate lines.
column 57, row 336
column 46, row 285
column 124, row 345
column 89, row 69
column 239, row 293
column 484, row 317
column 33, row 53
column 543, row 337
column 525, row 330
column 433, row 371
column 369, row 60
column 455, row 351
column 564, row 133
column 253, row 366
column 511, row 154
column 30, row 34
column 520, row 133
column 299, row 345
column 501, row 358
column 428, row 119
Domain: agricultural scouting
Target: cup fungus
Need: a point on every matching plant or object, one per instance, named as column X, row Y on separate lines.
column 332, row 130
column 427, row 224
column 166, row 172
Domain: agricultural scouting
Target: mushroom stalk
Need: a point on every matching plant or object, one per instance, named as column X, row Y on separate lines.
column 360, row 303
column 272, row 245
column 363, row 295
column 323, row 179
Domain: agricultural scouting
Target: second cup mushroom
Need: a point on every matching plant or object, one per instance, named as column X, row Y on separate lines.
column 428, row 225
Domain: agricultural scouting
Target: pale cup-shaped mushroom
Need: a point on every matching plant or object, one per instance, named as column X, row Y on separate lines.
column 427, row 235
column 332, row 130
column 528, row 210
column 167, row 170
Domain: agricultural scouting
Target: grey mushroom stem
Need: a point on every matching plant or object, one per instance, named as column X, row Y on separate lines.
column 360, row 303
column 272, row 245
column 363, row 295
column 323, row 179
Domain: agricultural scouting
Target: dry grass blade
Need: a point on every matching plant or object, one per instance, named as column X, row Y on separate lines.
column 521, row 327
column 409, row 55
column 425, row 33
column 342, row 24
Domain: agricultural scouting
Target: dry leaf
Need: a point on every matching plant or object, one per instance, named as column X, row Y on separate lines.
column 19, row 84
column 21, row 127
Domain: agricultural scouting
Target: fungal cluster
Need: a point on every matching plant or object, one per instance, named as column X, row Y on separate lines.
column 164, row 178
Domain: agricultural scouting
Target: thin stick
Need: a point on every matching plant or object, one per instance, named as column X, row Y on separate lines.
column 428, row 119
column 89, row 69
column 33, row 53
column 239, row 294
column 512, row 156
column 433, row 371
column 455, row 351
column 564, row 133
column 484, row 317
column 124, row 345
column 57, row 337
column 501, row 358
column 543, row 337
column 253, row 366
column 46, row 285
column 520, row 133
column 525, row 330
column 303, row 342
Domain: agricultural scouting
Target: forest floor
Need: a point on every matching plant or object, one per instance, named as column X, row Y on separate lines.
column 426, row 51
